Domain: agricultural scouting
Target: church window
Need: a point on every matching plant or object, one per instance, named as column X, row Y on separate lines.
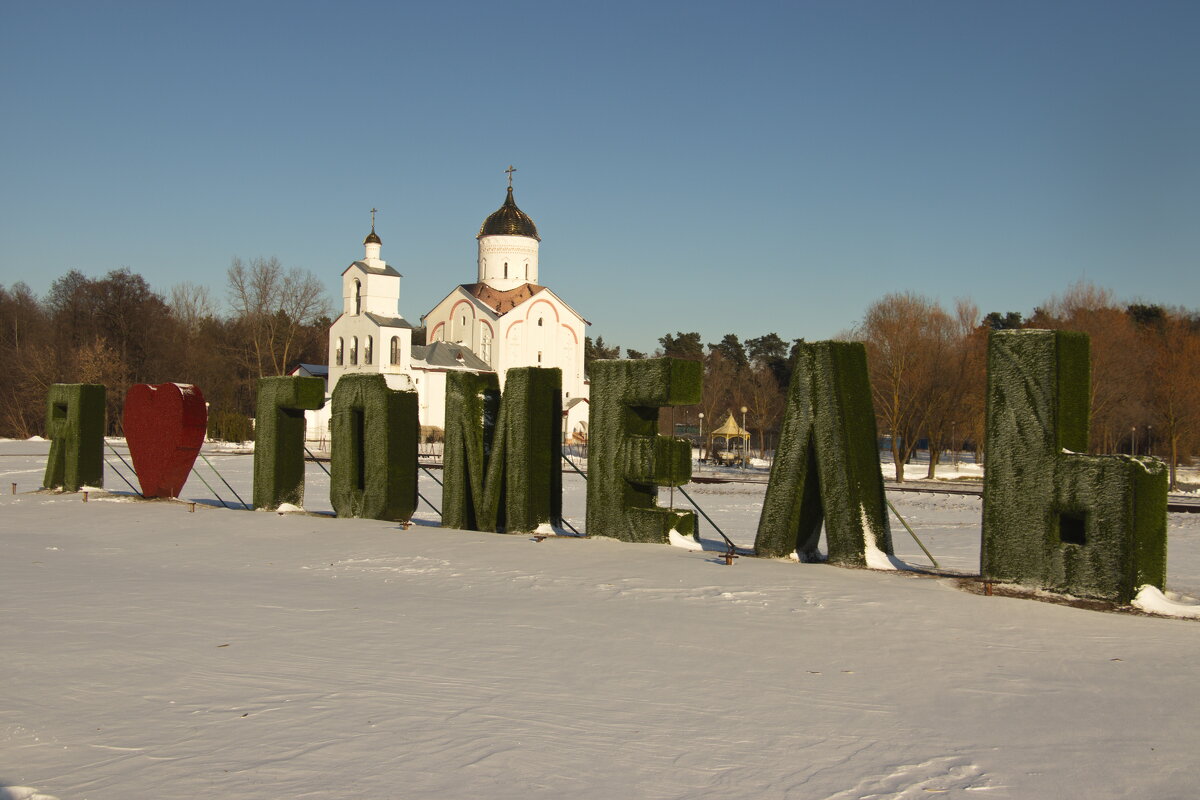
column 395, row 350
column 539, row 356
column 506, row 269
column 539, row 322
column 338, row 354
column 367, row 351
column 354, row 350
column 357, row 296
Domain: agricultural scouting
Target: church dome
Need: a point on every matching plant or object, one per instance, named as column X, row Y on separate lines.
column 509, row 221
column 372, row 237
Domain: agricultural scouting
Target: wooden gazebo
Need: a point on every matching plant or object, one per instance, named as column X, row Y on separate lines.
column 730, row 431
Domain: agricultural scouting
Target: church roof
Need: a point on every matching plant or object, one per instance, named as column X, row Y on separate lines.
column 372, row 237
column 509, row 220
column 365, row 267
column 501, row 301
column 311, row 370
column 388, row 322
column 445, row 354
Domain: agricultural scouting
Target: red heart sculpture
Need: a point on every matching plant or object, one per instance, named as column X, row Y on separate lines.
column 164, row 427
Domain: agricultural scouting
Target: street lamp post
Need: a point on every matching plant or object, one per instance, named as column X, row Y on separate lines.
column 954, row 444
column 1149, row 440
column 746, row 454
column 700, row 447
column 1133, row 439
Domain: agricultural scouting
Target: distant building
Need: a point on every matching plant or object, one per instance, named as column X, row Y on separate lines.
column 311, row 371
column 505, row 319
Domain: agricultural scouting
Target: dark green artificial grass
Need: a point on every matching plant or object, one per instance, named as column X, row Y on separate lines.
column 502, row 454
column 75, row 426
column 1053, row 517
column 373, row 464
column 627, row 459
column 279, row 438
column 827, row 463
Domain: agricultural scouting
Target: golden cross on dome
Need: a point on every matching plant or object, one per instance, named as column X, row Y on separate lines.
column 511, row 169
column 373, row 210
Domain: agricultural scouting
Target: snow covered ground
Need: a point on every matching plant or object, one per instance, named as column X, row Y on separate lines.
column 152, row 652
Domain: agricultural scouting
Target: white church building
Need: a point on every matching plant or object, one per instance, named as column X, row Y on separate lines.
column 506, row 318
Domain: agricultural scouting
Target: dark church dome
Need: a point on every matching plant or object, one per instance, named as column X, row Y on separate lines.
column 509, row 220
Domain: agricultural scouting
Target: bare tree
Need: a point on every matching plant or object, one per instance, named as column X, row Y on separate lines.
column 1116, row 357
column 956, row 396
column 191, row 304
column 722, row 390
column 273, row 306
column 907, row 337
column 131, row 316
column 26, row 360
column 1173, row 383
column 99, row 362
column 765, row 401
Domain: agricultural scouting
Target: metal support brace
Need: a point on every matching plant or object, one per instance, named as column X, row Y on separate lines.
column 222, row 477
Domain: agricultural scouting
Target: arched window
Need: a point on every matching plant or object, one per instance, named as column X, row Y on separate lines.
column 353, row 349
column 539, row 322
column 357, row 296
column 485, row 344
column 395, row 354
column 338, row 353
column 506, row 269
column 368, row 350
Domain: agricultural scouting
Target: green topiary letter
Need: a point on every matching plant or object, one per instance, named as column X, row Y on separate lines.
column 374, row 460
column 279, row 438
column 75, row 426
column 827, row 464
column 1093, row 526
column 627, row 459
column 501, row 463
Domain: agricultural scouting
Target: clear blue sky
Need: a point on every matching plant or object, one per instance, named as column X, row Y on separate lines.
column 744, row 167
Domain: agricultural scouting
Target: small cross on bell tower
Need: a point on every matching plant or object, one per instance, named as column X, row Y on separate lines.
column 372, row 243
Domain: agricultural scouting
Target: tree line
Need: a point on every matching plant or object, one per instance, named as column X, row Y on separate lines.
column 927, row 364
column 927, row 368
column 753, row 374
column 117, row 331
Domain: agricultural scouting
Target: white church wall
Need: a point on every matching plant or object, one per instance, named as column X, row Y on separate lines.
column 317, row 427
column 460, row 326
column 396, row 357
column 506, row 262
column 545, row 326
column 364, row 291
column 358, row 339
column 576, row 421
column 431, row 397
column 382, row 296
